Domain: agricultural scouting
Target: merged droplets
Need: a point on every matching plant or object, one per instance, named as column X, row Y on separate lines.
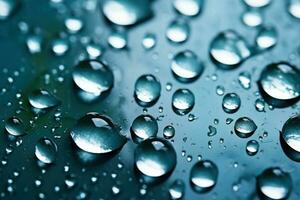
column 204, row 175
column 231, row 103
column 186, row 66
column 143, row 127
column 257, row 3
column 279, row 84
column 93, row 76
column 290, row 138
column 252, row 147
column 95, row 133
column 176, row 190
column 46, row 150
column 228, row 49
column 7, row 7
column 183, row 101
column 244, row 127
column 294, row 8
column 15, row 126
column 188, row 7
column 266, row 38
column 147, row 90
column 274, row 183
column 126, row 12
column 42, row 99
column 178, row 31
column 155, row 157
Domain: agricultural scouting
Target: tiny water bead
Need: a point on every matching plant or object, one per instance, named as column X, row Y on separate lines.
column 126, row 12
column 169, row 132
column 229, row 49
column 204, row 175
column 177, row 189
column 188, row 8
column 186, row 66
column 93, row 76
column 279, row 84
column 147, row 90
column 178, row 31
column 46, row 150
column 260, row 105
column 252, row 147
column 143, row 127
column 15, row 126
column 117, row 39
column 231, row 103
column 149, row 41
column 95, row 133
column 7, row 8
column 244, row 127
column 60, row 46
column 294, row 8
column 266, row 38
column 290, row 137
column 252, row 18
column 42, row 99
column 274, row 183
column 155, row 157
column 183, row 101
column 257, row 3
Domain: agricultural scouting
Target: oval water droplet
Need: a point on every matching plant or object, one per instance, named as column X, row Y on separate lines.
column 143, row 127
column 169, row 132
column 155, row 157
column 60, row 47
column 266, row 38
column 46, row 150
column 186, row 66
column 252, row 147
column 279, row 84
column 204, row 175
column 15, row 126
column 149, row 41
column 257, row 3
column 147, row 90
column 117, row 39
column 42, row 99
column 294, row 8
column 7, row 8
column 183, row 101
column 231, row 102
column 176, row 190
column 188, row 7
column 273, row 183
column 73, row 25
column 252, row 18
column 95, row 133
column 244, row 127
column 178, row 31
column 228, row 49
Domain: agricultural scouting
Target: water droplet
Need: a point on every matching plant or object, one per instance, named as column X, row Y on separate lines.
column 60, row 47
column 155, row 157
column 245, row 80
column 203, row 176
column 273, row 183
column 169, row 132
column 176, row 190
column 178, row 31
column 95, row 133
column 7, row 8
column 290, row 138
column 228, row 49
column 183, row 101
column 252, row 147
column 279, row 84
column 93, row 76
column 147, row 90
column 244, row 127
column 294, row 8
column 15, row 126
column 220, row 90
column 257, row 3
column 73, row 25
column 45, row 150
column 34, row 44
column 149, row 41
column 117, row 39
column 266, row 38
column 252, row 18
column 186, row 66
column 126, row 12
column 260, row 105
column 94, row 50
column 211, row 131
column 143, row 127
column 231, row 103
column 42, row 99
column 188, row 7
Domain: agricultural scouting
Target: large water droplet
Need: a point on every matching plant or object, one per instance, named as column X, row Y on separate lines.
column 231, row 103
column 7, row 7
column 186, row 66
column 42, row 99
column 273, row 183
column 228, row 49
column 183, row 101
column 244, row 127
column 15, row 126
column 176, row 190
column 279, row 84
column 93, row 77
column 95, row 133
column 294, row 8
column 155, row 157
column 252, row 147
column 290, row 138
column 143, row 127
column 257, row 3
column 266, row 38
column 204, row 175
column 45, row 150
column 147, row 90
column 126, row 12
column 188, row 7
column 178, row 31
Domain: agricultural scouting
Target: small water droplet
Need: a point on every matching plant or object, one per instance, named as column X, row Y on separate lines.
column 73, row 25
column 260, row 105
column 60, row 47
column 188, row 7
column 244, row 127
column 169, row 132
column 183, row 101
column 149, row 41
column 294, row 8
column 143, row 127
column 231, row 103
column 178, row 31
column 117, row 39
column 7, row 8
column 46, row 150
column 176, row 190
column 252, row 147
column 257, row 3
column 34, row 44
column 252, row 18
column 266, row 38
column 211, row 131
column 220, row 90
column 42, row 99
column 15, row 126
column 244, row 79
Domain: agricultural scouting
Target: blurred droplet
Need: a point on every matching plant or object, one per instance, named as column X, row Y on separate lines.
column 178, row 31
column 149, row 41
column 188, row 7
column 177, row 189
